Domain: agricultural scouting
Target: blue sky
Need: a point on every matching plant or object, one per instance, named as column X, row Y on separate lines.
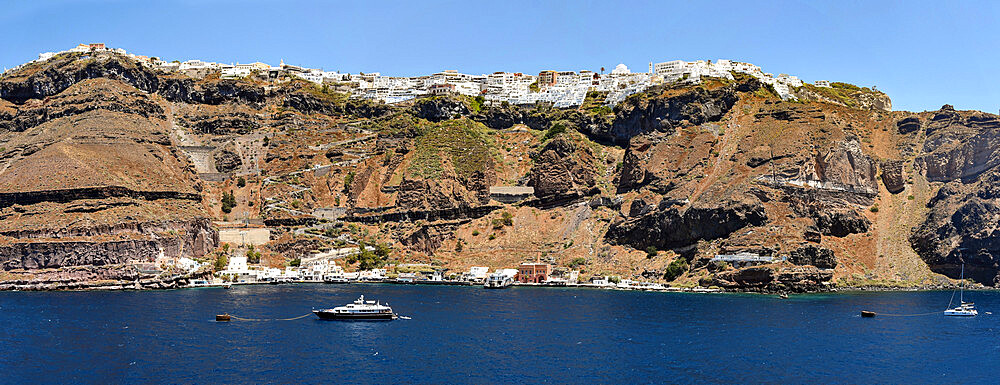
column 923, row 54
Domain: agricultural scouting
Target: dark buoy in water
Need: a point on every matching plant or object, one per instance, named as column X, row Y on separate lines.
column 222, row 317
column 867, row 314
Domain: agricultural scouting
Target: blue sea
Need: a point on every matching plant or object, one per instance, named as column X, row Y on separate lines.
column 472, row 335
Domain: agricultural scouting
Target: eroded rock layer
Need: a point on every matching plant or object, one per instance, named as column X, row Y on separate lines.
column 105, row 163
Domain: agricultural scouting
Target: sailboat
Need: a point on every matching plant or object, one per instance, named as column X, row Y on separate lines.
column 966, row 309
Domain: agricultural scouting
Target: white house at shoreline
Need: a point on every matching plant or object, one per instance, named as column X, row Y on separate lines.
column 238, row 271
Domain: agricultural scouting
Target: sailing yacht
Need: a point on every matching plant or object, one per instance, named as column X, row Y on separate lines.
column 967, row 309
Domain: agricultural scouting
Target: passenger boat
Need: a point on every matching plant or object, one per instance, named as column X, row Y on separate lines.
column 966, row 309
column 335, row 278
column 360, row 310
column 498, row 280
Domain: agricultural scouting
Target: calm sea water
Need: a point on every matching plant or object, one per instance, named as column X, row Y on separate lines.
column 472, row 335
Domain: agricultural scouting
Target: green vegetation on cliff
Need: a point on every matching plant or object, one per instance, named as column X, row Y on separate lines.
column 463, row 141
column 844, row 93
column 228, row 202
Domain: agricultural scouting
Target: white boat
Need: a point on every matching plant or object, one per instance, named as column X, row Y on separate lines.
column 359, row 310
column 498, row 280
column 335, row 278
column 965, row 309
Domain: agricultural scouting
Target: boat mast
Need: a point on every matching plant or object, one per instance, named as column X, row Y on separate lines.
column 961, row 285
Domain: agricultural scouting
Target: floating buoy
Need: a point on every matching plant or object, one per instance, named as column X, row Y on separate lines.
column 222, row 317
column 867, row 314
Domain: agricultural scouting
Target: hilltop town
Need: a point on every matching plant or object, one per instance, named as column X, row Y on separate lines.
column 121, row 170
column 561, row 88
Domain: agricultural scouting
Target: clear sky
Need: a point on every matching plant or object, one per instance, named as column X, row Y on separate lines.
column 922, row 53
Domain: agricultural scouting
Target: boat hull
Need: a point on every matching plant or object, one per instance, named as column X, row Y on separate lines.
column 961, row 313
column 328, row 315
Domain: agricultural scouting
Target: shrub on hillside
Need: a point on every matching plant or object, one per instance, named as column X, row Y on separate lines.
column 676, row 268
column 228, row 202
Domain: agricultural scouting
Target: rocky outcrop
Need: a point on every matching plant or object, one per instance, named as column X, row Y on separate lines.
column 845, row 166
column 37, row 249
column 506, row 116
column 671, row 227
column 774, row 279
column 115, row 277
column 298, row 247
column 813, row 255
column 227, row 160
column 439, row 108
column 960, row 228
column 892, row 176
column 789, row 113
column 8, row 199
column 367, row 109
column 663, row 163
column 309, row 103
column 841, row 223
column 223, row 123
column 643, row 114
column 562, row 169
column 75, row 253
column 430, row 237
column 88, row 95
column 421, row 194
column 959, row 145
column 211, row 92
column 54, row 76
column 908, row 125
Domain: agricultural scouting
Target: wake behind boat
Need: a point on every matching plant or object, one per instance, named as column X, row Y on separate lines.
column 359, row 310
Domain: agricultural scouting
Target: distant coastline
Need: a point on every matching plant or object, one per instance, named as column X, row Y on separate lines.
column 183, row 282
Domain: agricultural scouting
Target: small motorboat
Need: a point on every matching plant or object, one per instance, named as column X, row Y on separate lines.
column 360, row 310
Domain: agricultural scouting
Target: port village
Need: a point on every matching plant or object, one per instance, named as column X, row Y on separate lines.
column 241, row 263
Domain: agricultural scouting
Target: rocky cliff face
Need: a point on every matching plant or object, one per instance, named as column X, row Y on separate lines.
column 106, row 245
column 563, row 169
column 960, row 151
column 844, row 166
column 959, row 146
column 89, row 172
column 100, row 160
column 673, row 227
column 771, row 279
column 892, row 176
column 639, row 115
column 959, row 229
